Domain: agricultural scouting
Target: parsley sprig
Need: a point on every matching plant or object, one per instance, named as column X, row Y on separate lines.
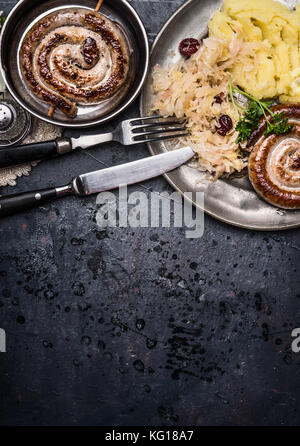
column 276, row 123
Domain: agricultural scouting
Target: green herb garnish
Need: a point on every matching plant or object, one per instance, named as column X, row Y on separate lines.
column 276, row 123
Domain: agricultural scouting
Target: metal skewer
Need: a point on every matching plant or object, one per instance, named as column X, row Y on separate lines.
column 99, row 4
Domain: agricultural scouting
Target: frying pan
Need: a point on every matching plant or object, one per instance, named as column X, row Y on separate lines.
column 20, row 20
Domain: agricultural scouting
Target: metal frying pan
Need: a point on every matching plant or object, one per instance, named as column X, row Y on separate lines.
column 20, row 20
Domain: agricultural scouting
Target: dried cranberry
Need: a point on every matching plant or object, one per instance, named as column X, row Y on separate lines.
column 189, row 46
column 219, row 98
column 225, row 125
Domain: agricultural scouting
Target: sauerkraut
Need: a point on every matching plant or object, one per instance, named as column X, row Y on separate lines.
column 189, row 88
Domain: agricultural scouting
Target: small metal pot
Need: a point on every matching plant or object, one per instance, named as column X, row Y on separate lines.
column 16, row 26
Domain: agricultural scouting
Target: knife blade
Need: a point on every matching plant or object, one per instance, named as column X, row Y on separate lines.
column 131, row 173
column 99, row 181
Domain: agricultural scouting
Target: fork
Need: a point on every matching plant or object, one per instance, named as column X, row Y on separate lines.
column 128, row 132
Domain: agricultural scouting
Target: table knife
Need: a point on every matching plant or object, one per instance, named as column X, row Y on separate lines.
column 99, row 181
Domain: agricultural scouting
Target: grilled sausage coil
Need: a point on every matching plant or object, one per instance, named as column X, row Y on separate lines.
column 274, row 163
column 74, row 56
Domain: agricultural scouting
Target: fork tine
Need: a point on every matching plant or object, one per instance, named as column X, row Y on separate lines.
column 158, row 129
column 163, row 138
column 157, row 119
column 170, row 126
column 160, row 136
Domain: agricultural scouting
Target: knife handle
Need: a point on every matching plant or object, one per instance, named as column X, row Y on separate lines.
column 12, row 156
column 12, row 204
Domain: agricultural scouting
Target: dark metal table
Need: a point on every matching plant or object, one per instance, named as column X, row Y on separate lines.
column 143, row 326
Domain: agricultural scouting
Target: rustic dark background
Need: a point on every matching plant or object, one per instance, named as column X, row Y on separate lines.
column 142, row 326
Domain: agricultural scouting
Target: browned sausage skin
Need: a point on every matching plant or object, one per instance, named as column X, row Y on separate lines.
column 74, row 56
column 274, row 163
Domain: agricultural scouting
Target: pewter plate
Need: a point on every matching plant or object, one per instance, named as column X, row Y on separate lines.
column 233, row 200
column 21, row 19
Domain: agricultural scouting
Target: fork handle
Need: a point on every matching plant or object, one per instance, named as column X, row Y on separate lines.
column 12, row 156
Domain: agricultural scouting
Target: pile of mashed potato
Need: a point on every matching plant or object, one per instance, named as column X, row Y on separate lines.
column 274, row 70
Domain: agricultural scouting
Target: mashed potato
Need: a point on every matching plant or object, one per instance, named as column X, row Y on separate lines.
column 275, row 68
